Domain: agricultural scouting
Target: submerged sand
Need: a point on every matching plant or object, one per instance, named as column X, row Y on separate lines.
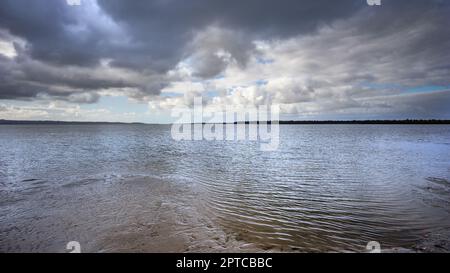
column 135, row 214
column 129, row 214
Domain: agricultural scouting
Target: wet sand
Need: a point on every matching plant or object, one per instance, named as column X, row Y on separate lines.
column 133, row 214
column 140, row 214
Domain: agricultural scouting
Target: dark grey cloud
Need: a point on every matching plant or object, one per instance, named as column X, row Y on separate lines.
column 163, row 29
column 159, row 30
column 45, row 25
column 256, row 17
column 159, row 33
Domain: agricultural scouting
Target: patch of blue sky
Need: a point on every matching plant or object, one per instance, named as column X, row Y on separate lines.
column 261, row 82
column 265, row 61
column 427, row 88
column 211, row 94
column 171, row 94
column 406, row 89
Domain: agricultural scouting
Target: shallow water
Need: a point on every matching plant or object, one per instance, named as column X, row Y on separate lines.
column 327, row 187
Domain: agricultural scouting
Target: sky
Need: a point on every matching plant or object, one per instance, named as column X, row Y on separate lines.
column 136, row 61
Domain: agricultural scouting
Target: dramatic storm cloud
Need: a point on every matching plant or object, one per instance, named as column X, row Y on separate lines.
column 317, row 59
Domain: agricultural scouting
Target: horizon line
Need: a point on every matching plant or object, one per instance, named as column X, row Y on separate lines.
column 281, row 122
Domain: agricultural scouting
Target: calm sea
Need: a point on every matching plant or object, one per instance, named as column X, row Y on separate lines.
column 327, row 187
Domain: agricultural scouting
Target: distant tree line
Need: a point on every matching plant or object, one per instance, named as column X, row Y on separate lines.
column 381, row 121
column 284, row 122
column 50, row 122
column 405, row 121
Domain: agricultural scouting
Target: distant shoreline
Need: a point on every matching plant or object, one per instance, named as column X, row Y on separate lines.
column 284, row 122
column 50, row 122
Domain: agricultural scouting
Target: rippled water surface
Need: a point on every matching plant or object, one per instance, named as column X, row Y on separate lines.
column 327, row 188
